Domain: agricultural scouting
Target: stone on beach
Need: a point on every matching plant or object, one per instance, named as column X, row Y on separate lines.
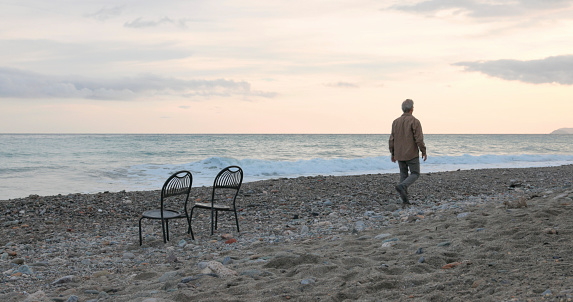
column 219, row 269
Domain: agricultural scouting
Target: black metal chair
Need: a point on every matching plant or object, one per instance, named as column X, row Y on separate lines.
column 228, row 180
column 176, row 185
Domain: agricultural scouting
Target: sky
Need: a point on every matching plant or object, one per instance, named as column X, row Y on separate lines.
column 313, row 66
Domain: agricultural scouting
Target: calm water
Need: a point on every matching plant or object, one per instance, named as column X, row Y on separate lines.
column 50, row 164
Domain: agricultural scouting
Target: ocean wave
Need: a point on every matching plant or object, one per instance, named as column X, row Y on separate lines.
column 256, row 169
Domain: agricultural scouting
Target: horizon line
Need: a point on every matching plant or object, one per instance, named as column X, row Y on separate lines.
column 169, row 133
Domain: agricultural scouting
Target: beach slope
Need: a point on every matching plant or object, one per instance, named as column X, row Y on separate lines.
column 476, row 235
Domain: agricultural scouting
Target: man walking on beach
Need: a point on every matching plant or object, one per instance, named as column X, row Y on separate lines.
column 406, row 140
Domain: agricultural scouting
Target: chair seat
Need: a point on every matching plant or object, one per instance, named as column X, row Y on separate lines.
column 167, row 214
column 216, row 206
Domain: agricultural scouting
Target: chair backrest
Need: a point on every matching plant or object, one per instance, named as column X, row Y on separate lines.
column 177, row 184
column 229, row 178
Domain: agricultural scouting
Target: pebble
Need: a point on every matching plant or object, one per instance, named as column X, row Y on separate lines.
column 308, row 281
column 128, row 255
column 389, row 244
column 73, row 298
column 168, row 276
column 65, row 279
column 463, row 215
column 382, row 236
column 360, row 226
column 24, row 269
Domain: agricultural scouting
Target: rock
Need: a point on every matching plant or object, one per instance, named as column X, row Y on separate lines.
column 102, row 296
column 227, row 261
column 382, row 236
column 251, row 273
column 128, row 255
column 451, row 265
column 24, row 269
column 197, row 277
column 100, row 274
column 65, row 279
column 389, row 244
column 202, row 265
column 172, row 258
column 37, row 296
column 168, row 276
column 359, row 226
column 73, row 298
column 219, row 269
column 463, row 215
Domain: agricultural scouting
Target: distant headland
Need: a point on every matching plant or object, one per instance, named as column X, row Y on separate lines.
column 563, row 131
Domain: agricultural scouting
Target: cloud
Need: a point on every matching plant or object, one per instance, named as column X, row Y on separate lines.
column 342, row 85
column 140, row 23
column 17, row 83
column 557, row 69
column 484, row 8
column 106, row 13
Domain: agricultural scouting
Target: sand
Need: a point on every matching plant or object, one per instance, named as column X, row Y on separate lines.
column 477, row 235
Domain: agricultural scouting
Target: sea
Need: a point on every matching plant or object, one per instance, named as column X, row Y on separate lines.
column 52, row 164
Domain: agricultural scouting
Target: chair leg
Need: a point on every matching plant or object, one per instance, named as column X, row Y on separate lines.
column 216, row 219
column 212, row 221
column 188, row 223
column 190, row 227
column 237, row 221
column 163, row 231
column 140, row 237
column 167, row 228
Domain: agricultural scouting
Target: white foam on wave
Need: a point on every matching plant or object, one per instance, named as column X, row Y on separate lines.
column 205, row 170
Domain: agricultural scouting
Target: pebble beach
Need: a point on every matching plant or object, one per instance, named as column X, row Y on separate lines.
column 470, row 235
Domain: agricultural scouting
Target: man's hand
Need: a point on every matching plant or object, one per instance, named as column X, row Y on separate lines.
column 425, row 156
column 393, row 159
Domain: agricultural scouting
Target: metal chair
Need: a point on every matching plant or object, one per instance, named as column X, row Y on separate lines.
column 229, row 179
column 177, row 184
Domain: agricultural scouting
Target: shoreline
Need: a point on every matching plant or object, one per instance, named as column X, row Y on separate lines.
column 333, row 237
column 393, row 172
